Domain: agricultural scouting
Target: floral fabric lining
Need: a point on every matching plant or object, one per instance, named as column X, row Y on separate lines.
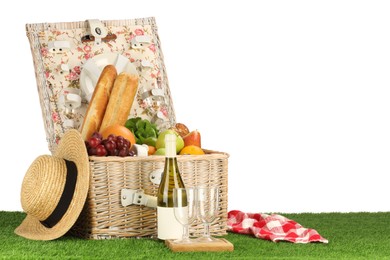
column 56, row 82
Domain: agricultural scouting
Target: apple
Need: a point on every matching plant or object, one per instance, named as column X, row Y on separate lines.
column 160, row 143
column 192, row 138
column 160, row 151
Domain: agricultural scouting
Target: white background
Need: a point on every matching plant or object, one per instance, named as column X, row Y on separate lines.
column 297, row 92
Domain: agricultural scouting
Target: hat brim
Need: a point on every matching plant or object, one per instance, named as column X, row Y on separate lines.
column 71, row 148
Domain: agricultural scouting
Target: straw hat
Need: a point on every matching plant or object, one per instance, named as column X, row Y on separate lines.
column 55, row 189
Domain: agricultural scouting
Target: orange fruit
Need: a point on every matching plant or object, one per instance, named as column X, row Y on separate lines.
column 191, row 149
column 118, row 130
column 151, row 150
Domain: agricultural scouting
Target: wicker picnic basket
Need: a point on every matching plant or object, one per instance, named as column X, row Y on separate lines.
column 104, row 215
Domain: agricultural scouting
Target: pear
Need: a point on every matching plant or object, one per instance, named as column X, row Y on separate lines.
column 193, row 138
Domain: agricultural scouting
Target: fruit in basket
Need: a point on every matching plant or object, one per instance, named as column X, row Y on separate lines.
column 111, row 146
column 191, row 150
column 160, row 151
column 192, row 138
column 160, row 143
column 97, row 135
column 101, row 150
column 181, row 129
column 119, row 130
column 93, row 142
column 151, row 149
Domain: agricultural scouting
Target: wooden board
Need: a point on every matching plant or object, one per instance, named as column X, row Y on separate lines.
column 221, row 245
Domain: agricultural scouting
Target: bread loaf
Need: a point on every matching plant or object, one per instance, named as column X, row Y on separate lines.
column 98, row 104
column 121, row 99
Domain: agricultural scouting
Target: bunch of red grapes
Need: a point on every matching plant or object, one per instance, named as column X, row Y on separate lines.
column 111, row 146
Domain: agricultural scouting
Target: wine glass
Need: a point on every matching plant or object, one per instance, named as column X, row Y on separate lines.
column 185, row 211
column 207, row 199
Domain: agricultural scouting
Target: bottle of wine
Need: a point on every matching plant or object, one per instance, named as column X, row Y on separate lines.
column 167, row 225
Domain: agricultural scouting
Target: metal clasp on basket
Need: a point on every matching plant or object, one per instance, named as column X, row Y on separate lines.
column 98, row 32
column 137, row 197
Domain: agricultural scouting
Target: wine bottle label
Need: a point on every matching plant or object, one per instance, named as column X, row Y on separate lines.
column 167, row 225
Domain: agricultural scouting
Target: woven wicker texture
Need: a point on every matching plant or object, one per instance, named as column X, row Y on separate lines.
column 104, row 217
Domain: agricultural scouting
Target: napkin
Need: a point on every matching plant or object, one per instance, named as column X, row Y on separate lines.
column 272, row 227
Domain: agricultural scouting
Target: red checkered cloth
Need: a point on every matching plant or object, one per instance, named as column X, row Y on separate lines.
column 271, row 227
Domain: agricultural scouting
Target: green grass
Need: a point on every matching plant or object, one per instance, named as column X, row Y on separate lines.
column 350, row 235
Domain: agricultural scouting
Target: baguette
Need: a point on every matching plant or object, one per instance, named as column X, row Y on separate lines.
column 98, row 104
column 121, row 99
